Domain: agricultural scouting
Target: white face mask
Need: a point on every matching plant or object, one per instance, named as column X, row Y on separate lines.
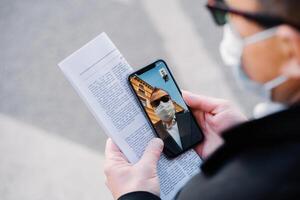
column 231, row 50
column 165, row 111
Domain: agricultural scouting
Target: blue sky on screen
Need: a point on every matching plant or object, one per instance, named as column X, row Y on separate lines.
column 154, row 78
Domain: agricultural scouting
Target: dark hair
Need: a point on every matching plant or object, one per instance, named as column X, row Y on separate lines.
column 286, row 9
column 158, row 89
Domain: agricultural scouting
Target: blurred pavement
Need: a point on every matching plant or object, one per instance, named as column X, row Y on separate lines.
column 51, row 146
column 39, row 165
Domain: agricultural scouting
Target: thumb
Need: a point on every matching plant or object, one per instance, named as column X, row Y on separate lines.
column 152, row 152
column 112, row 151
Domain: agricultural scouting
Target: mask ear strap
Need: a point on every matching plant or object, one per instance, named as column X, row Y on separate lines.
column 260, row 36
column 275, row 82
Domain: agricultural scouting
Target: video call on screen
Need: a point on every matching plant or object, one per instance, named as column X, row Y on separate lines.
column 166, row 109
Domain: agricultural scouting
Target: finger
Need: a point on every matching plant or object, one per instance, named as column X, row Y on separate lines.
column 210, row 119
column 111, row 149
column 200, row 118
column 204, row 103
column 152, row 152
column 199, row 149
column 211, row 142
column 206, row 131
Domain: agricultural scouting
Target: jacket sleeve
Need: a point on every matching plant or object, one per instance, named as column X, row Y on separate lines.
column 138, row 196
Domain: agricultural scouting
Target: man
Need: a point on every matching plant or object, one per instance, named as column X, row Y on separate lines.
column 258, row 159
column 177, row 130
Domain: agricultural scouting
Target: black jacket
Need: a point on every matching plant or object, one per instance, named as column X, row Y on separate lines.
column 259, row 160
column 189, row 133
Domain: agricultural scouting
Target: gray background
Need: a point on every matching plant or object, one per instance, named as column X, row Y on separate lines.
column 50, row 145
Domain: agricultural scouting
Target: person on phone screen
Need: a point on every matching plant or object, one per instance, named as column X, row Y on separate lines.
column 177, row 130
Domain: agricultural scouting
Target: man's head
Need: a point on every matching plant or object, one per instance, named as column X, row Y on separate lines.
column 162, row 104
column 275, row 56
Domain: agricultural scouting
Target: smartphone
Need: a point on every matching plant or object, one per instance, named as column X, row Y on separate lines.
column 161, row 101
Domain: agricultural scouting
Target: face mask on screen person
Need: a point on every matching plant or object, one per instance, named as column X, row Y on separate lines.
column 165, row 111
column 231, row 50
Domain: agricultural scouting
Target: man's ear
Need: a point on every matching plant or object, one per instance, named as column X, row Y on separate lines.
column 289, row 38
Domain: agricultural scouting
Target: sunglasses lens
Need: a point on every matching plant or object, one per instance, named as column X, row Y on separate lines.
column 219, row 16
column 218, row 11
column 165, row 99
column 155, row 103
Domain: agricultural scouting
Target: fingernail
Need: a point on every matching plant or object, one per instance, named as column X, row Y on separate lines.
column 157, row 143
column 108, row 141
column 188, row 98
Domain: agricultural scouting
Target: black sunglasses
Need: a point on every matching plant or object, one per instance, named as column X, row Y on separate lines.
column 219, row 10
column 164, row 99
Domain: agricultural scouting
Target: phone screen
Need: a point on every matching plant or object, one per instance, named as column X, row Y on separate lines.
column 162, row 102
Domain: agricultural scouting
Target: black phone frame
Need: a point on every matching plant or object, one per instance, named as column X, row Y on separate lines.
column 145, row 69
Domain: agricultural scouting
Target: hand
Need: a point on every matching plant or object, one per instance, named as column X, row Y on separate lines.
column 123, row 177
column 214, row 116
